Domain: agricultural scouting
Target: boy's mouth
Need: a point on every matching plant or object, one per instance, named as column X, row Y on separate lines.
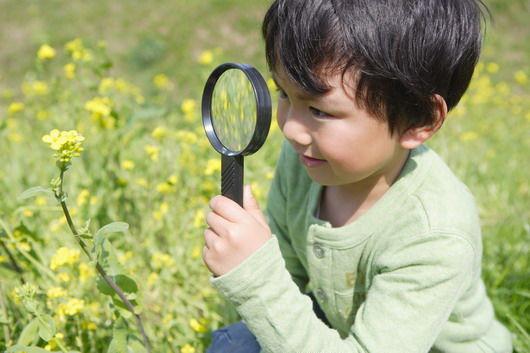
column 310, row 161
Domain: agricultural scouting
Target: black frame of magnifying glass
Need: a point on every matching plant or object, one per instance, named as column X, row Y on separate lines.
column 232, row 162
column 263, row 111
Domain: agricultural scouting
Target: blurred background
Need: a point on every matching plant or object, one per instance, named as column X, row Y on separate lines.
column 128, row 76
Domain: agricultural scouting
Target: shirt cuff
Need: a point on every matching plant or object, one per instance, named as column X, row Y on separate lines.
column 240, row 282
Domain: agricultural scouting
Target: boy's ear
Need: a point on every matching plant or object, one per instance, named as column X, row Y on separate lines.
column 414, row 137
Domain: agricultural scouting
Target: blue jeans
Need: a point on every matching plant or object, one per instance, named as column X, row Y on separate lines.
column 237, row 338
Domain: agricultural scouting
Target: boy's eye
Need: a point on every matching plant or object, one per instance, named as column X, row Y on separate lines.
column 318, row 113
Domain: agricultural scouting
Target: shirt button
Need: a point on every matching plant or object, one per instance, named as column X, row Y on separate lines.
column 319, row 251
column 321, row 294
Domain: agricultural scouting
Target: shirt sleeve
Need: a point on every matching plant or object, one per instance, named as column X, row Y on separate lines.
column 277, row 219
column 411, row 297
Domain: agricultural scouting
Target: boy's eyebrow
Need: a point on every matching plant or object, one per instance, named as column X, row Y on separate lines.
column 300, row 94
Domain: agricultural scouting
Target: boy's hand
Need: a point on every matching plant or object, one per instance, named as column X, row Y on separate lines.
column 234, row 233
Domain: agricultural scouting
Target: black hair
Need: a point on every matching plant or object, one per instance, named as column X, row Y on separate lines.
column 401, row 52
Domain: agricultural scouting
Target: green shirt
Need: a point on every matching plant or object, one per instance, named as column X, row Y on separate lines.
column 403, row 277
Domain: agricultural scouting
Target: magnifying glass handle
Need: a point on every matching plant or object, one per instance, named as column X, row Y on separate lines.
column 232, row 178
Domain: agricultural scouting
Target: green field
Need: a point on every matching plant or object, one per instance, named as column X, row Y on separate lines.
column 128, row 76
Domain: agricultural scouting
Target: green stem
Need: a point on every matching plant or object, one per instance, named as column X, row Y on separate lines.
column 63, row 348
column 101, row 271
column 13, row 261
column 7, row 336
column 30, row 258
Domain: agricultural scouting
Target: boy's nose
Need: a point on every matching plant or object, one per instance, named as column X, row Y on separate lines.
column 295, row 130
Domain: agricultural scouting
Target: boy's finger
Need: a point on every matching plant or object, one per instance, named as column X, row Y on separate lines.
column 217, row 223
column 227, row 208
column 251, row 205
column 209, row 238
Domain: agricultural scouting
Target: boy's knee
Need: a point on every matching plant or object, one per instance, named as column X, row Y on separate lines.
column 235, row 338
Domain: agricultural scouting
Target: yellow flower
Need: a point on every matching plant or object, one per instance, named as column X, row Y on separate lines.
column 35, row 88
column 520, row 77
column 161, row 212
column 56, row 292
column 56, row 224
column 257, row 191
column 142, row 182
column 213, row 166
column 187, row 348
column 206, row 57
column 24, row 246
column 126, row 256
column 42, row 115
column 199, row 219
column 161, row 81
column 64, row 256
column 69, row 71
column 165, row 188
column 89, row 325
column 197, row 326
column 468, row 136
column 152, row 278
column 15, row 137
column 63, row 277
column 71, row 307
column 271, row 85
column 492, row 68
column 46, row 52
column 173, row 179
column 83, row 196
column 188, row 106
column 66, row 143
column 161, row 260
column 186, row 137
column 15, row 107
column 101, row 106
column 196, row 252
column 127, row 164
column 106, row 84
column 159, row 132
column 41, row 201
column 168, row 186
column 78, row 51
column 86, row 272
column 153, row 152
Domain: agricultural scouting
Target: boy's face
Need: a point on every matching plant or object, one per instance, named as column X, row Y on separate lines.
column 338, row 142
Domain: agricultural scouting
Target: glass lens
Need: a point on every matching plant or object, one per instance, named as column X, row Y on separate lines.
column 234, row 110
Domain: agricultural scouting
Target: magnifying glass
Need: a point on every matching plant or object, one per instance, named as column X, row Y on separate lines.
column 236, row 115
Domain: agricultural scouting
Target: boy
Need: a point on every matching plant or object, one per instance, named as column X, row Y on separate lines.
column 362, row 215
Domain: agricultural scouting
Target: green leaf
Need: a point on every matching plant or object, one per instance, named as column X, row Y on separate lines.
column 106, row 256
column 114, row 227
column 103, row 250
column 126, row 284
column 46, row 327
column 135, row 346
column 30, row 333
column 119, row 337
column 27, row 349
column 34, row 191
column 84, row 232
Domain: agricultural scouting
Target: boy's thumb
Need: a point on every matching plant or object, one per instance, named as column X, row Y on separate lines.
column 250, row 204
